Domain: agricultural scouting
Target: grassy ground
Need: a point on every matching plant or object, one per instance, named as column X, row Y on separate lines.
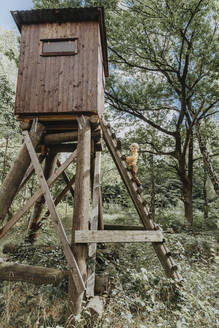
column 139, row 297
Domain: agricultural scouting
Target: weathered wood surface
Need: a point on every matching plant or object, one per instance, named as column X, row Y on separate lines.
column 51, row 89
column 38, row 275
column 117, row 236
column 66, row 179
column 102, row 285
column 100, row 80
column 49, row 169
column 36, row 196
column 100, row 214
column 94, row 225
column 58, row 148
column 57, row 138
column 160, row 248
column 32, row 274
column 14, row 178
column 94, row 121
column 81, row 208
column 73, row 266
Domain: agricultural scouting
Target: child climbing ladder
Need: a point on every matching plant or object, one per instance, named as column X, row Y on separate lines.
column 132, row 161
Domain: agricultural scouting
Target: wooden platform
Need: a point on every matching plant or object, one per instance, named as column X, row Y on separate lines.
column 54, row 123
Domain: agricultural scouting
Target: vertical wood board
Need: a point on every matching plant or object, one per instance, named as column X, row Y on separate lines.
column 58, row 84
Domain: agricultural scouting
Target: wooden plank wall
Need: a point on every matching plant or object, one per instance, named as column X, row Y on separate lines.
column 101, row 79
column 59, row 84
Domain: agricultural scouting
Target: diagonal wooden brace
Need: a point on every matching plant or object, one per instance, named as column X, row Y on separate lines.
column 65, row 177
column 36, row 196
column 75, row 272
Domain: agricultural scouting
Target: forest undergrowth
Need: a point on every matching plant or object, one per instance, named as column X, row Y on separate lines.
column 139, row 295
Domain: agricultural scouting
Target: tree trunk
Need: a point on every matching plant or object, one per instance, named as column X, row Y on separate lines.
column 16, row 173
column 152, row 186
column 81, row 211
column 205, row 196
column 207, row 161
column 33, row 227
column 187, row 181
column 188, row 206
column 5, row 159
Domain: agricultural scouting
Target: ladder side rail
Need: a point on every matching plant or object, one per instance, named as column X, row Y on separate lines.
column 160, row 249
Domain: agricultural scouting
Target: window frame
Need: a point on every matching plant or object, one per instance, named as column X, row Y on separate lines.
column 59, row 53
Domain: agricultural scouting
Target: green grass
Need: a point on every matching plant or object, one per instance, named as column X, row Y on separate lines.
column 139, row 297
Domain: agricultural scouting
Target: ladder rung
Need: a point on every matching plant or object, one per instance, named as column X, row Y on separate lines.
column 119, row 145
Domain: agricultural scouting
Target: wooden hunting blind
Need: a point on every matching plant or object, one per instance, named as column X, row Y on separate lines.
column 63, row 61
column 60, row 101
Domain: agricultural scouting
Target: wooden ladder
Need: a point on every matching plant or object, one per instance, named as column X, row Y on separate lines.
column 160, row 248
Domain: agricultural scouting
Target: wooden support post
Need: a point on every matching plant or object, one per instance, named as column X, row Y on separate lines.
column 33, row 227
column 100, row 215
column 17, row 172
column 81, row 209
column 75, row 272
column 34, row 198
column 93, row 225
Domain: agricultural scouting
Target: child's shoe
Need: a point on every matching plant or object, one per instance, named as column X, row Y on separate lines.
column 140, row 186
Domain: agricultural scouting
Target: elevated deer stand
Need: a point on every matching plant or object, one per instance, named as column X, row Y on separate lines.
column 59, row 103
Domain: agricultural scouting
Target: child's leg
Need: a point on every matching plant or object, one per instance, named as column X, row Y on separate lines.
column 134, row 173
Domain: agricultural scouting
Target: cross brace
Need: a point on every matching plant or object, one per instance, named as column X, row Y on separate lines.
column 75, row 272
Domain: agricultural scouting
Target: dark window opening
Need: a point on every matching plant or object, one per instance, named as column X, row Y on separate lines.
column 59, row 47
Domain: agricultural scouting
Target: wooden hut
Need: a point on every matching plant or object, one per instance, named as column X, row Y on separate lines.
column 63, row 63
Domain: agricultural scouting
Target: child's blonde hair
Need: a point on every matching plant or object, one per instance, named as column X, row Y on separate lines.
column 135, row 145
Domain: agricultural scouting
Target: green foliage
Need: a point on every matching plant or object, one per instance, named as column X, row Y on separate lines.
column 44, row 4
column 139, row 296
column 163, row 76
